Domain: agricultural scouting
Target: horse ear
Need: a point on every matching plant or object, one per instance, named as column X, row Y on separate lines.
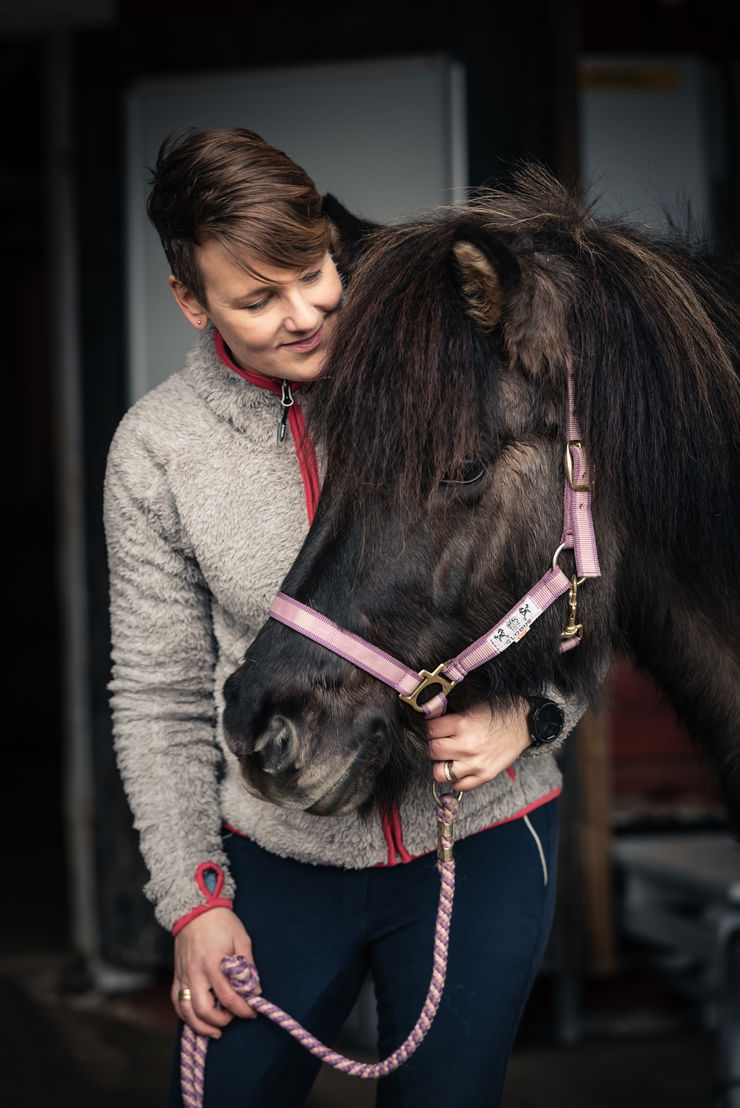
column 480, row 285
column 347, row 232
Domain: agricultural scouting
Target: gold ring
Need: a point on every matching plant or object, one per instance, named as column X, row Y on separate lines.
column 184, row 994
column 450, row 773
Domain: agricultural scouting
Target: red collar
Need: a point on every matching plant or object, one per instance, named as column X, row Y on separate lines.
column 257, row 379
column 303, row 445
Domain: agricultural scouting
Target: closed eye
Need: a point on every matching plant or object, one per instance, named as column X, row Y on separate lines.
column 258, row 304
column 469, row 472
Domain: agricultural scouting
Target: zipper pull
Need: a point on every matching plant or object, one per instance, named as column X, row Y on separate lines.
column 287, row 402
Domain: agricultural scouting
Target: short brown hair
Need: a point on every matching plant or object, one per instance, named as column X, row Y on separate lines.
column 230, row 185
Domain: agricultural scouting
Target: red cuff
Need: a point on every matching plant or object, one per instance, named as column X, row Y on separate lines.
column 213, row 898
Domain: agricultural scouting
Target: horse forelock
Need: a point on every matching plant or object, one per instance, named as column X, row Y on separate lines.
column 414, row 389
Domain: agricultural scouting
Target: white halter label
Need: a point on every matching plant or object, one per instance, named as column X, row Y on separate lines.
column 515, row 626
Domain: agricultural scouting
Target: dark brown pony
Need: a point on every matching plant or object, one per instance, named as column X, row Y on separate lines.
column 441, row 420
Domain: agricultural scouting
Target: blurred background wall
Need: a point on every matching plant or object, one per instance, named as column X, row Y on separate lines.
column 640, row 98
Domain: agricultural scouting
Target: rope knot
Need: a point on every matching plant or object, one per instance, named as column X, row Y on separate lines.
column 241, row 975
column 447, row 806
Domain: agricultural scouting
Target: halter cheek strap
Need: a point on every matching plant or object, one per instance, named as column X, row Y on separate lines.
column 578, row 525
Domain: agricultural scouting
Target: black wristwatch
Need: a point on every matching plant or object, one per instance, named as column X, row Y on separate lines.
column 545, row 721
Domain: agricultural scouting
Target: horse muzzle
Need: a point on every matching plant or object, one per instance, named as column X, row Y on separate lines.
column 277, row 766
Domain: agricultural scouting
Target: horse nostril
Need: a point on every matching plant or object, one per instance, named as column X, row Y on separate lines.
column 275, row 745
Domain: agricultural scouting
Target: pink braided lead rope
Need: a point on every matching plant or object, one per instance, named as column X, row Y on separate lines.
column 243, row 977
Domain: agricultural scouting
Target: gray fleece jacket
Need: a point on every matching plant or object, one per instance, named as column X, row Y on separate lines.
column 204, row 514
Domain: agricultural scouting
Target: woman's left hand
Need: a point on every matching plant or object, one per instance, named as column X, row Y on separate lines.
column 479, row 744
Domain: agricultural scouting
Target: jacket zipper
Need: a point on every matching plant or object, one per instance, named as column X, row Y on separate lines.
column 291, row 416
column 287, row 401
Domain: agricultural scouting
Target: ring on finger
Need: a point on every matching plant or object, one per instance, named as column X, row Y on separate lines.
column 184, row 994
column 450, row 774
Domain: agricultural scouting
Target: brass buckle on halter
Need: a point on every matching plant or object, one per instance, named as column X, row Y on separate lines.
column 568, row 466
column 428, row 679
column 444, row 829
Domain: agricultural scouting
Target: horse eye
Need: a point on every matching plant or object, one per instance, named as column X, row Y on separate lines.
column 469, row 472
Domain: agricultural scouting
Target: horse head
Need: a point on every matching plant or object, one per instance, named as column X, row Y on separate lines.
column 441, row 417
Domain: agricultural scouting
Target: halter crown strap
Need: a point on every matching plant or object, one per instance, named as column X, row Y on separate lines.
column 578, row 526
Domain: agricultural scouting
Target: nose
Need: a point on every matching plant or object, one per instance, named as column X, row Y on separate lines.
column 303, row 314
column 276, row 746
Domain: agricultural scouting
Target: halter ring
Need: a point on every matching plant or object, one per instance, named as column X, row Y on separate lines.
column 556, row 555
column 436, row 793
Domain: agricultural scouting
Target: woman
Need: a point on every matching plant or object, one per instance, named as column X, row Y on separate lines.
column 210, row 488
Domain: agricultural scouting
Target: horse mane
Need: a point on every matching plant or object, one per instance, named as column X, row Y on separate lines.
column 411, row 393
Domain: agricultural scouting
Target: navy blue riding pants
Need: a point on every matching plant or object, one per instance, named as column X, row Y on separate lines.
column 318, row 930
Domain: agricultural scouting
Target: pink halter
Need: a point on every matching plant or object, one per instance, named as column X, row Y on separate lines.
column 578, row 535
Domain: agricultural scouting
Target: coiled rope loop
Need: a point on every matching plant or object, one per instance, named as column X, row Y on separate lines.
column 243, row 978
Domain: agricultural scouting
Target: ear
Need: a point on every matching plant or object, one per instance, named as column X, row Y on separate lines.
column 189, row 304
column 480, row 286
column 347, row 232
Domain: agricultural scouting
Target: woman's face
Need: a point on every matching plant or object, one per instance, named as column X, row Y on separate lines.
column 280, row 326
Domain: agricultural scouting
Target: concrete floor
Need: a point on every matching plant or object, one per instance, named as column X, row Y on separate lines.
column 70, row 1048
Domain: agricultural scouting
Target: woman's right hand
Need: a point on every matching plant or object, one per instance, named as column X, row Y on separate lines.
column 199, row 948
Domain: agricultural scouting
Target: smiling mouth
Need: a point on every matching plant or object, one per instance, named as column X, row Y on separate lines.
column 303, row 346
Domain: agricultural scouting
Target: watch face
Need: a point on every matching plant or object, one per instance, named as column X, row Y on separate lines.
column 546, row 722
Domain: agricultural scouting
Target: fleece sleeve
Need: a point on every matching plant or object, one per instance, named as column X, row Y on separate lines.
column 573, row 708
column 162, row 687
